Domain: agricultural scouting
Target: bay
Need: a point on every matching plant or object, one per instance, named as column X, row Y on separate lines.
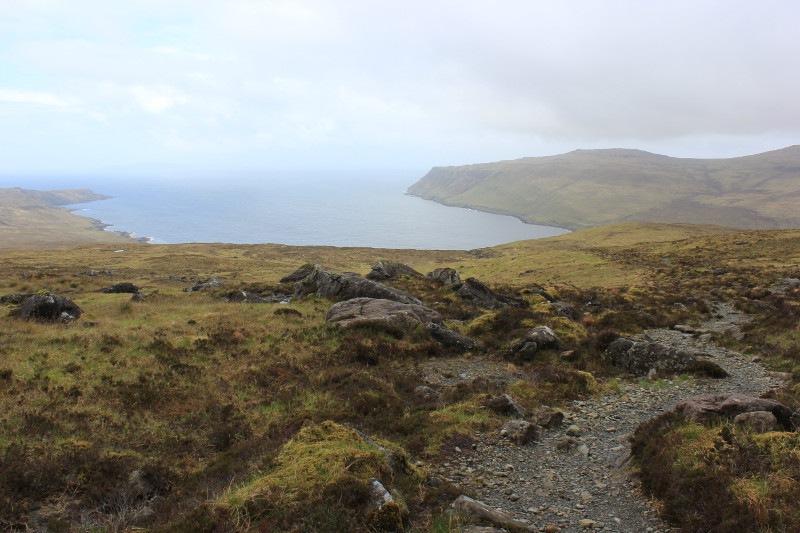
column 366, row 209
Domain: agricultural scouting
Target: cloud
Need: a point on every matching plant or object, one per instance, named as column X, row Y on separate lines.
column 17, row 96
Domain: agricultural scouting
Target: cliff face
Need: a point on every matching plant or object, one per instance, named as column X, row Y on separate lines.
column 588, row 188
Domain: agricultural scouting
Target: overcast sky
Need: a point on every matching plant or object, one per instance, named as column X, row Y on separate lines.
column 262, row 84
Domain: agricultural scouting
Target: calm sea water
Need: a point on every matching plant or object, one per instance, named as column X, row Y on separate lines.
column 364, row 209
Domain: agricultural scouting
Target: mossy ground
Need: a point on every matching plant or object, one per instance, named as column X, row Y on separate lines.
column 215, row 402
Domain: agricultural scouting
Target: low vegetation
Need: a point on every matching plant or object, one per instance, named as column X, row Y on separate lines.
column 185, row 412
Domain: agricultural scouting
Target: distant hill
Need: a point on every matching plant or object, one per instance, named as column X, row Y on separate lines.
column 587, row 188
column 34, row 219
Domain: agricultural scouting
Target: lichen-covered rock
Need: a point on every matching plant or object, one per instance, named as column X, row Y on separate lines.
column 48, row 308
column 447, row 276
column 346, row 286
column 539, row 338
column 757, row 421
column 727, row 406
column 520, row 431
column 390, row 270
column 471, row 511
column 451, row 339
column 361, row 311
column 639, row 357
column 211, row 283
column 478, row 293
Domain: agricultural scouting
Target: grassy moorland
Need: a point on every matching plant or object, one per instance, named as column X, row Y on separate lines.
column 588, row 188
column 185, row 412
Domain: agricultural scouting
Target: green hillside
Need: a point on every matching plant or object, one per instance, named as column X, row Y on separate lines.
column 587, row 188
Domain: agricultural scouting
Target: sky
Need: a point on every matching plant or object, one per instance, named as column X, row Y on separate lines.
column 349, row 84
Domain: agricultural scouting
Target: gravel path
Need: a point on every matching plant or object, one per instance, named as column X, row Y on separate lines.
column 589, row 486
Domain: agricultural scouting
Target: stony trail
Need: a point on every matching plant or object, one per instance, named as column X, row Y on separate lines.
column 589, row 486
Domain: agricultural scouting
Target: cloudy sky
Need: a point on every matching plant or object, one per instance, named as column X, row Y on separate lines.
column 265, row 84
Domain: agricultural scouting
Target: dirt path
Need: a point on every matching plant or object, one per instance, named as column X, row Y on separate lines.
column 589, row 485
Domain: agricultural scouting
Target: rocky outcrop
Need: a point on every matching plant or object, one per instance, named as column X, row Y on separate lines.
column 346, row 286
column 640, row 357
column 478, row 293
column 396, row 315
column 300, row 274
column 121, row 288
column 48, row 308
column 476, row 512
column 447, row 276
column 211, row 283
column 390, row 270
column 539, row 338
column 727, row 406
column 255, row 298
column 451, row 339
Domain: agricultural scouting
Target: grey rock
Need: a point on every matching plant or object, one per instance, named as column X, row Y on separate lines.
column 15, row 298
column 574, row 431
column 478, row 293
column 505, row 405
column 347, row 286
column 757, row 421
column 427, row 393
column 362, row 311
column 548, row 417
column 728, row 406
column 472, row 510
column 520, row 431
column 639, row 357
column 300, row 274
column 48, row 308
column 378, row 495
column 121, row 288
column 539, row 338
column 564, row 309
column 211, row 283
column 450, row 338
column 448, row 276
column 390, row 270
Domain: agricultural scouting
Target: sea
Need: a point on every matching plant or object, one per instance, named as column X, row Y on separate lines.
column 364, row 209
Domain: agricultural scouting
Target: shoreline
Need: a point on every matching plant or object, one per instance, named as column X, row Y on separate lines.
column 445, row 203
column 99, row 225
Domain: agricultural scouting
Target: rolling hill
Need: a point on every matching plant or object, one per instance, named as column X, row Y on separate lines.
column 587, row 188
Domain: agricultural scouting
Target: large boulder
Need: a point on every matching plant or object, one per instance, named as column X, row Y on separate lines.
column 48, row 308
column 539, row 338
column 396, row 315
column 346, row 286
column 447, row 276
column 727, row 406
column 639, row 357
column 478, row 293
column 451, row 339
column 390, row 270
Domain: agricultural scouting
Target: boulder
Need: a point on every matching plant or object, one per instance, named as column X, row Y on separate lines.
column 121, row 288
column 359, row 311
column 300, row 274
column 48, row 308
column 505, row 405
column 211, row 283
column 639, row 357
column 549, row 418
column 757, row 421
column 451, row 339
column 520, row 431
column 564, row 309
column 478, row 293
column 255, row 298
column 471, row 510
column 347, row 286
column 447, row 276
column 15, row 298
column 727, row 406
column 539, row 338
column 390, row 270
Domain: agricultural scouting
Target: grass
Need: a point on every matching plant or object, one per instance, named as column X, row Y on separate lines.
column 244, row 418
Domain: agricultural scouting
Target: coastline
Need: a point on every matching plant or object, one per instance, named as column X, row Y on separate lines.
column 442, row 201
column 99, row 225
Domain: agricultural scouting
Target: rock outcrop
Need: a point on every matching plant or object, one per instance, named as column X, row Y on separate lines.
column 211, row 283
column 396, row 315
column 478, row 293
column 48, row 308
column 727, row 406
column 346, row 286
column 447, row 276
column 539, row 338
column 390, row 270
column 450, row 338
column 640, row 357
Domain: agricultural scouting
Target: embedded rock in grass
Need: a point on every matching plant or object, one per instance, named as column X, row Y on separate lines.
column 212, row 283
column 520, row 431
column 564, row 309
column 727, row 406
column 757, row 421
column 346, row 286
column 505, row 405
column 451, row 339
column 48, row 308
column 255, row 298
column 390, row 270
column 472, row 511
column 121, row 288
column 639, row 357
column 395, row 315
column 478, row 293
column 539, row 338
column 448, row 276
